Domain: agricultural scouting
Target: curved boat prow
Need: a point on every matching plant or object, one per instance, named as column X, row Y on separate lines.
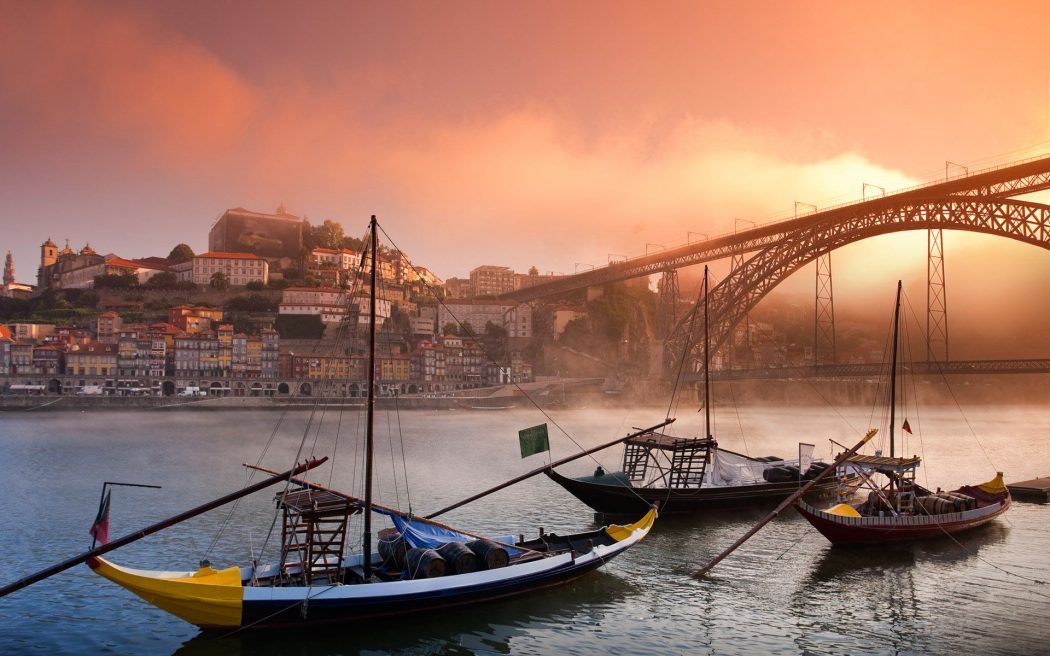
column 207, row 597
column 638, row 530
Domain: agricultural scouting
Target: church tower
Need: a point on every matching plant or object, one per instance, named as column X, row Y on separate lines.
column 9, row 270
column 48, row 256
column 48, row 253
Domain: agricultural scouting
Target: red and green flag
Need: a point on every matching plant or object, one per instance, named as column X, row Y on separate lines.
column 100, row 529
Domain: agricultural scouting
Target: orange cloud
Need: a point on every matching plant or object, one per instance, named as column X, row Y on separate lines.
column 84, row 69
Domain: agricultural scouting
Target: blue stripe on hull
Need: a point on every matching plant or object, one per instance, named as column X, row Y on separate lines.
column 321, row 610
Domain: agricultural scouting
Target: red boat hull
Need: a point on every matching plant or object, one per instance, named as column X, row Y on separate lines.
column 842, row 530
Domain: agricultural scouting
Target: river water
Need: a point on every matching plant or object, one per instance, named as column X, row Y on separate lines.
column 785, row 592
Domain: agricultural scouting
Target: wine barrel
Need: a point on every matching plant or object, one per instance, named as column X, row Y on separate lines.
column 425, row 564
column 777, row 474
column 392, row 548
column 490, row 554
column 965, row 501
column 460, row 559
column 815, row 469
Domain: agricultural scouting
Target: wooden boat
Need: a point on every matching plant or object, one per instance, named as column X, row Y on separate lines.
column 420, row 565
column 688, row 475
column 896, row 508
column 692, row 474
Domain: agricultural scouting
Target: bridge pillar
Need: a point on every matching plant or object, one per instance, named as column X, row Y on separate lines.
column 824, row 351
column 936, row 298
column 667, row 302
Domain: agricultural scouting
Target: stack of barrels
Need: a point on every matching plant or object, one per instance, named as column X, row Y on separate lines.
column 941, row 503
column 449, row 558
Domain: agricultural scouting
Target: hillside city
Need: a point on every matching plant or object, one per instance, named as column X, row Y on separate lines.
column 259, row 313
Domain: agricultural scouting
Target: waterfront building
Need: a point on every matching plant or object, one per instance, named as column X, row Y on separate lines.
column 5, row 350
column 109, row 325
column 48, row 360
column 95, row 359
column 194, row 318
column 515, row 319
column 432, row 370
column 31, row 332
column 270, row 348
column 21, row 357
column 239, row 268
column 489, row 280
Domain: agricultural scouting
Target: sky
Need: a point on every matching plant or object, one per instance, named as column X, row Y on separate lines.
column 547, row 134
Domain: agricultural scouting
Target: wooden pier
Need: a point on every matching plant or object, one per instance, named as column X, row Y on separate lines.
column 1036, row 490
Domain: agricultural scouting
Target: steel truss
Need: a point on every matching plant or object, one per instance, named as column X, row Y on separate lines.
column 738, row 293
column 996, row 183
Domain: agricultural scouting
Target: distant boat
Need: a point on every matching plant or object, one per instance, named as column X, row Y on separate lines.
column 896, row 507
column 692, row 474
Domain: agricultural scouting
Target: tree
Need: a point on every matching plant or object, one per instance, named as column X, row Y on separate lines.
column 219, row 281
column 533, row 271
column 181, row 253
column 255, row 286
column 328, row 235
column 125, row 280
column 450, row 329
column 163, row 280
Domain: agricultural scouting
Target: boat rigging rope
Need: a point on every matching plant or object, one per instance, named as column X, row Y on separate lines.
column 404, row 463
column 247, row 481
column 488, row 355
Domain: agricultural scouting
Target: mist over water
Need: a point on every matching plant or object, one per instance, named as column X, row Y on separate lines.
column 786, row 591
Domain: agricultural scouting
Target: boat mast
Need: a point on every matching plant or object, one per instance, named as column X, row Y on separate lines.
column 893, row 367
column 707, row 365
column 366, row 543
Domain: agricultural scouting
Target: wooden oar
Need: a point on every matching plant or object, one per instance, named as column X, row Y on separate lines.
column 132, row 537
column 540, row 470
column 784, row 504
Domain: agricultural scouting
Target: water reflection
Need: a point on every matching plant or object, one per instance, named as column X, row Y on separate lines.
column 492, row 628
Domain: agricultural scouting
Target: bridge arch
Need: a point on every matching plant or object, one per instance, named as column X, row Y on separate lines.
column 739, row 292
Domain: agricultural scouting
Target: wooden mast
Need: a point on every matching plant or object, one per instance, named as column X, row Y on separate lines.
column 893, row 367
column 366, row 543
column 707, row 364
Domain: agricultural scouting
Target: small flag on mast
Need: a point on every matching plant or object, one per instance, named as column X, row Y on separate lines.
column 100, row 529
column 533, row 440
column 906, row 427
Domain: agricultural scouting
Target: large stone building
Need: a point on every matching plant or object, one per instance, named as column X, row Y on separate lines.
column 515, row 319
column 239, row 268
column 488, row 280
column 276, row 237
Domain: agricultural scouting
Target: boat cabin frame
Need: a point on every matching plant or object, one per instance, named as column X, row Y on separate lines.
column 680, row 462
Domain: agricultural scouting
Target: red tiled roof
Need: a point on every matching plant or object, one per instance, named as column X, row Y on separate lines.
column 327, row 290
column 230, row 256
column 120, row 262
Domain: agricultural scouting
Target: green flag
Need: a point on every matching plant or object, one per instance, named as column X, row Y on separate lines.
column 533, row 440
